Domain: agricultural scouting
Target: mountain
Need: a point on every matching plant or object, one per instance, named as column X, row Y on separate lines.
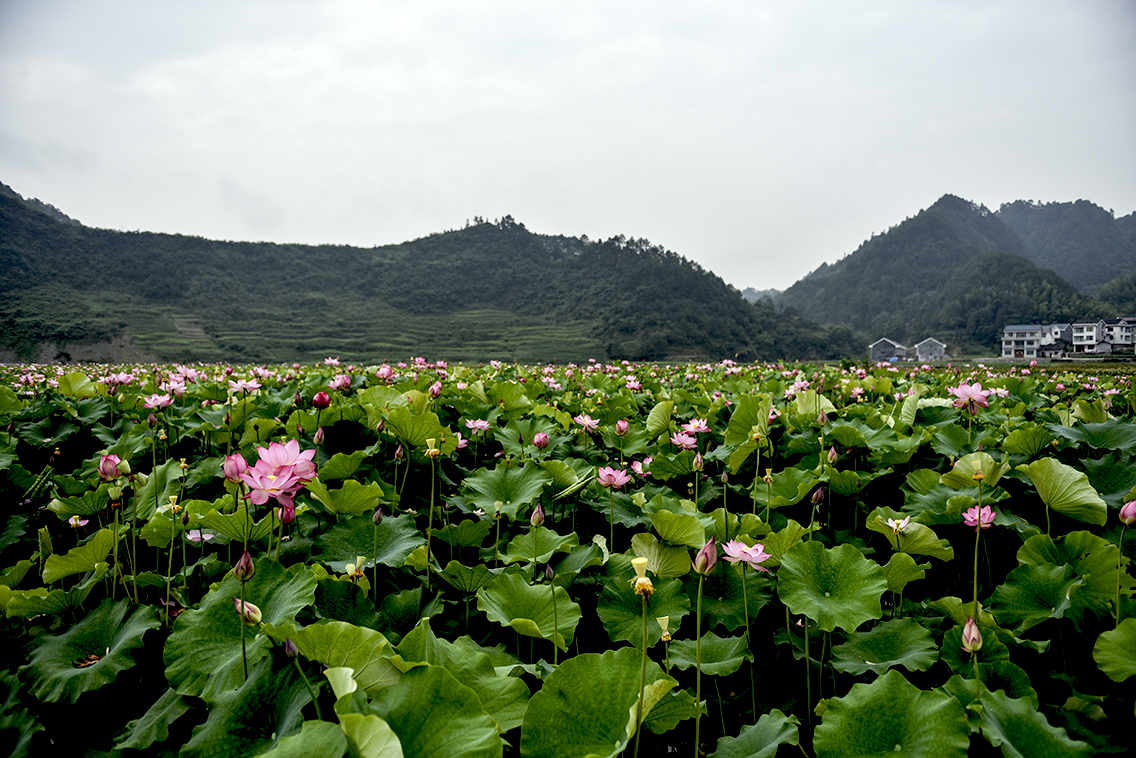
column 753, row 295
column 490, row 290
column 1087, row 245
column 955, row 271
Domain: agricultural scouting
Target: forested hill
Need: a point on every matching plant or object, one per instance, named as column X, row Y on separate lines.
column 1081, row 241
column 491, row 290
column 935, row 275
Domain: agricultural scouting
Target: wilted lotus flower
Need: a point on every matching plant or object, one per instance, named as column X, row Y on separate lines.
column 971, row 637
column 706, row 558
column 248, row 612
column 77, row 522
column 640, row 581
column 664, row 623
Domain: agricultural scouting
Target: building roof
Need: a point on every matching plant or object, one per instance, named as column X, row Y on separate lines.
column 1020, row 327
column 930, row 339
column 885, row 339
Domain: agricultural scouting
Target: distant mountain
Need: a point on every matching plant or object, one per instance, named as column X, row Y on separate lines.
column 490, row 290
column 752, row 295
column 935, row 275
column 1081, row 241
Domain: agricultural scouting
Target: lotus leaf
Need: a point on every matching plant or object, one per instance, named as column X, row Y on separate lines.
column 834, row 587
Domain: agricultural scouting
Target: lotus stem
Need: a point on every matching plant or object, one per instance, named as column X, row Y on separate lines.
column 698, row 666
column 429, row 523
column 244, row 654
column 808, row 674
column 749, row 642
column 642, row 680
column 977, row 537
column 312, row 692
column 1119, row 559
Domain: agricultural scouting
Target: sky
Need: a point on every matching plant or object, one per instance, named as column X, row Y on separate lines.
column 759, row 139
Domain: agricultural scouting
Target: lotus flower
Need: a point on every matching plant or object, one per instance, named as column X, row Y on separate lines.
column 971, row 637
column 981, row 519
column 684, row 441
column 609, row 476
column 736, row 550
column 706, row 558
column 1128, row 512
column 970, row 397
column 108, row 467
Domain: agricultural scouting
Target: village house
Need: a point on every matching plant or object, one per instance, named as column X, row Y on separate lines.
column 930, row 349
column 885, row 349
column 1095, row 336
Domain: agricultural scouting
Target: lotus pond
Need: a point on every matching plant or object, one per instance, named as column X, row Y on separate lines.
column 440, row 560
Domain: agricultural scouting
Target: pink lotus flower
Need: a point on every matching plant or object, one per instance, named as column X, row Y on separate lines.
column 321, row 400
column 737, row 550
column 696, row 426
column 108, row 467
column 283, row 487
column 971, row 637
column 642, row 468
column 970, row 397
column 340, row 382
column 157, row 401
column 684, row 441
column 77, row 522
column 979, row 519
column 621, row 427
column 278, row 457
column 435, row 389
column 477, row 425
column 706, row 558
column 462, row 442
column 609, row 476
column 588, row 423
column 243, row 385
column 1128, row 512
column 540, row 440
column 233, row 466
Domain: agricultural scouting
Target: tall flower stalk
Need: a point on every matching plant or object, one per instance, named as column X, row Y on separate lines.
column 643, row 588
column 612, row 479
column 750, row 557
column 432, row 452
column 979, row 518
column 1127, row 516
column 703, row 564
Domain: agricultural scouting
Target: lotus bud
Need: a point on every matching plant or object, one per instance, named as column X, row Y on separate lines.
column 297, row 400
column 818, row 496
column 233, row 466
column 698, row 463
column 286, row 513
column 377, row 518
column 971, row 637
column 151, row 420
column 537, row 517
column 540, row 440
column 248, row 612
column 1128, row 512
column 379, row 427
column 318, row 437
column 832, row 456
column 724, row 478
column 621, row 427
column 108, row 467
column 244, row 569
column 321, row 400
column 290, row 648
column 549, row 574
column 706, row 558
column 399, row 453
column 822, row 418
column 185, row 518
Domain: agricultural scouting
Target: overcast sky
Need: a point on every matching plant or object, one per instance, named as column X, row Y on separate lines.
column 759, row 139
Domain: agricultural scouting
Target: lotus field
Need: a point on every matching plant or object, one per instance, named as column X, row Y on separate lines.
column 432, row 560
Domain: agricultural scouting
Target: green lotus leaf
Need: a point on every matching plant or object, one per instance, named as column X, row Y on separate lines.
column 1113, row 434
column 504, row 698
column 338, row 644
column 467, row 533
column 154, row 726
column 951, row 440
column 165, row 480
column 78, row 384
column 351, row 499
column 342, row 465
column 1112, row 476
column 789, row 487
column 514, row 486
column 761, row 740
column 415, row 428
column 1031, row 594
column 671, row 708
column 659, row 419
column 368, row 736
column 962, row 475
column 40, row 601
column 237, row 526
column 587, row 706
column 1016, row 726
column 664, row 561
column 436, row 716
column 1027, row 442
column 837, row 587
column 255, row 717
column 397, row 537
column 898, row 642
column 916, row 539
column 1090, row 411
column 779, row 543
column 203, row 654
column 679, row 528
column 524, row 546
column 723, row 599
column 849, row 483
column 665, row 467
column 80, row 559
column 257, row 430
column 751, row 411
column 901, row 570
column 570, row 475
column 891, row 715
column 1094, row 560
column 1115, row 651
column 621, row 610
column 1066, row 490
column 511, row 601
column 319, row 739
column 466, row 579
column 810, row 403
column 91, row 653
column 339, row 600
column 87, row 504
column 721, row 656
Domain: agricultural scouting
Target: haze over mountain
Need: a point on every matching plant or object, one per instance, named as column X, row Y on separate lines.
column 490, row 290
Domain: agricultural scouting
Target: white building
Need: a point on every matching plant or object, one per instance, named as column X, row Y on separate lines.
column 1021, row 340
